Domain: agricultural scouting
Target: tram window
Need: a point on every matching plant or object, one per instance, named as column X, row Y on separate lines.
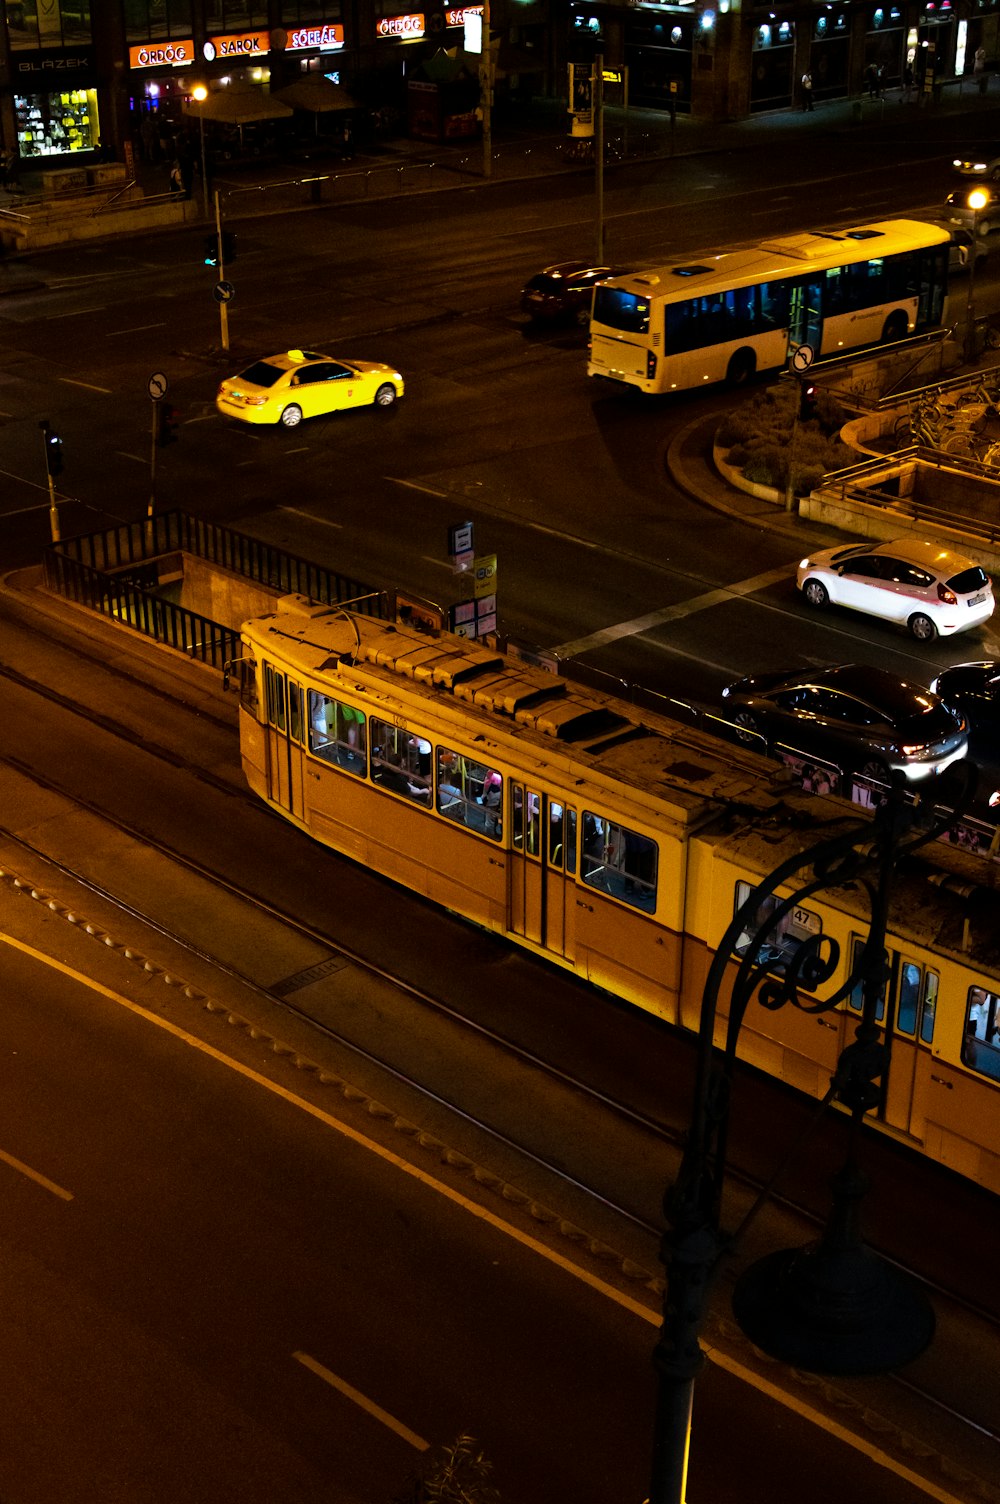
column 557, row 835
column 337, row 733
column 401, row 762
column 619, row 861
column 569, row 838
column 469, row 792
column 275, row 690
column 525, row 812
column 856, row 996
column 294, row 710
column 931, row 982
column 781, row 939
column 248, row 685
column 981, row 1041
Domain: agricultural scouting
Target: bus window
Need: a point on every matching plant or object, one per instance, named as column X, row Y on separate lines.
column 401, row 762
column 337, row 733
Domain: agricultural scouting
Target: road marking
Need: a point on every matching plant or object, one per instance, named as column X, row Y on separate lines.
column 138, row 329
column 42, row 1180
column 648, row 1313
column 362, row 1401
column 412, row 485
column 311, row 516
column 671, row 613
column 139, row 458
column 68, row 380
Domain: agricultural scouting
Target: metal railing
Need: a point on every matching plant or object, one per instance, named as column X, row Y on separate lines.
column 114, row 573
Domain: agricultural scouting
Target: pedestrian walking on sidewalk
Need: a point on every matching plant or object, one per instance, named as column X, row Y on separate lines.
column 979, row 69
column 807, row 91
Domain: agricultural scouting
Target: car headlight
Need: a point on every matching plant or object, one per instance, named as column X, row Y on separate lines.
column 805, row 563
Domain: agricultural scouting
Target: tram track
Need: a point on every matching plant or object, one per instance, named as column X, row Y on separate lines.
column 453, row 1107
column 654, row 1132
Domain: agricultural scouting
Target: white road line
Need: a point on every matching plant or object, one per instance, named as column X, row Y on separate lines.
column 412, row 485
column 42, row 1180
column 311, row 516
column 68, row 380
column 362, row 1402
column 138, row 329
column 671, row 613
column 139, row 459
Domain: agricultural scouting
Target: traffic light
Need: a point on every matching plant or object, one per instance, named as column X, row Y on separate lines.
column 807, row 401
column 211, row 243
column 53, row 453
column 167, row 422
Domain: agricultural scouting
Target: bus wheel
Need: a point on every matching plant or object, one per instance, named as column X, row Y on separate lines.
column 741, row 368
column 896, row 327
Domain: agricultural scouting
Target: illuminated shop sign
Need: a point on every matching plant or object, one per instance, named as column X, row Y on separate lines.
column 243, row 44
column 326, row 38
column 161, row 55
column 457, row 17
column 409, row 27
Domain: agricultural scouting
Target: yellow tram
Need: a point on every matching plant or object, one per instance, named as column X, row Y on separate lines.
column 617, row 847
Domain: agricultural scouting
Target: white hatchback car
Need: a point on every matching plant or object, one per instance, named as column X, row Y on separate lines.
column 922, row 586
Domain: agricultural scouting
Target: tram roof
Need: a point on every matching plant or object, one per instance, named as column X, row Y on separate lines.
column 783, row 256
column 653, row 758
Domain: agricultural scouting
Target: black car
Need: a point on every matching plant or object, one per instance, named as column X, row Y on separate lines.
column 562, row 293
column 973, row 689
column 863, row 720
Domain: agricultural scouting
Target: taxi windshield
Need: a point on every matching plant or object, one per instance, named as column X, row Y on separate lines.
column 262, row 373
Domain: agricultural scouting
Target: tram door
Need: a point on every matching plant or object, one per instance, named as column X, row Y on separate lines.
column 906, row 1012
column 285, row 722
column 542, row 867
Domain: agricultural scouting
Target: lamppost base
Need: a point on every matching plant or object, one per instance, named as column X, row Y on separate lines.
column 833, row 1310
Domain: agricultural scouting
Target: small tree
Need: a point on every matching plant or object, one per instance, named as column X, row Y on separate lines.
column 458, row 1473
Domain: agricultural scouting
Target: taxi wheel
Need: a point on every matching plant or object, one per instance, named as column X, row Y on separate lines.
column 386, row 395
column 291, row 417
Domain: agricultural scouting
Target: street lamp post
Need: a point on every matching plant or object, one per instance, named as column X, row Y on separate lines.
column 977, row 201
column 200, row 93
column 835, row 1307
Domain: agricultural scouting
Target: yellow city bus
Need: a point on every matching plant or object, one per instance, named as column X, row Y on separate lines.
column 726, row 317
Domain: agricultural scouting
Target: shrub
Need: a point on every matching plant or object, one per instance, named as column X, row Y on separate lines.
column 758, row 435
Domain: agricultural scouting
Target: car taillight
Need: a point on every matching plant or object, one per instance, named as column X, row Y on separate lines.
column 948, row 596
column 255, row 401
column 650, row 365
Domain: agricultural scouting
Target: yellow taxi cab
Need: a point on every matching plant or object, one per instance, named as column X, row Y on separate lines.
column 303, row 384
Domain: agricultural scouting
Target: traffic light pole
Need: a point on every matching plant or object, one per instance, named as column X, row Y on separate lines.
column 151, row 508
column 53, row 509
column 223, row 311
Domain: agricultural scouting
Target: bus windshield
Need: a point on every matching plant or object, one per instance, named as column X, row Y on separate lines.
column 619, row 309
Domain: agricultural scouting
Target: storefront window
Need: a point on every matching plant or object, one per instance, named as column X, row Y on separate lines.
column 53, row 23
column 51, row 125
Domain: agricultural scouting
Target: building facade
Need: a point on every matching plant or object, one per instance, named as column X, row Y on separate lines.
column 80, row 79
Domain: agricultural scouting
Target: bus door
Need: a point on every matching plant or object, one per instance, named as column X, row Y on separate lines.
column 906, row 1013
column 805, row 314
column 285, row 720
column 541, row 869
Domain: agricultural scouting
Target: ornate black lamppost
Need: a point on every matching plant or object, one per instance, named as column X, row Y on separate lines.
column 834, row 1307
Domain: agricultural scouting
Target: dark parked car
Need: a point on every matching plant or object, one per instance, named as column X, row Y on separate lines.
column 562, row 293
column 974, row 690
column 861, row 720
